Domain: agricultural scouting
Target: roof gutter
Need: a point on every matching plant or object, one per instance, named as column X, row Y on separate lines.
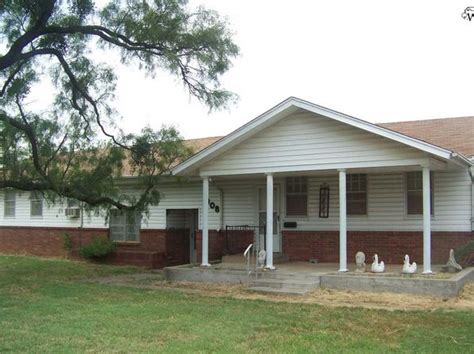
column 461, row 158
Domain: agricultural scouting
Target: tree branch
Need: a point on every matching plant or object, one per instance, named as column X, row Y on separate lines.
column 76, row 88
column 11, row 57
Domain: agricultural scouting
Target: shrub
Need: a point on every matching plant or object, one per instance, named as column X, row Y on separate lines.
column 99, row 248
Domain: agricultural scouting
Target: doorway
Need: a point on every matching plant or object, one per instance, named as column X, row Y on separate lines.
column 181, row 227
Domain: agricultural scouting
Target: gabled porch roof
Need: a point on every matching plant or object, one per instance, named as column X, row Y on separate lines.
column 294, row 104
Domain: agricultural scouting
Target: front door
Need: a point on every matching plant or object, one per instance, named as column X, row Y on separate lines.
column 262, row 218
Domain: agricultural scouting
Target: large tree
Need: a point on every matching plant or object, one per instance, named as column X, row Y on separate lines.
column 74, row 148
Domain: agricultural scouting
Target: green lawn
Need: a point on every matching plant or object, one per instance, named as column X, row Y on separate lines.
column 45, row 306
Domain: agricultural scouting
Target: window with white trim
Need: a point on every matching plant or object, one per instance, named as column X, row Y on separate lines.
column 9, row 203
column 296, row 196
column 415, row 192
column 36, row 204
column 356, row 194
column 124, row 226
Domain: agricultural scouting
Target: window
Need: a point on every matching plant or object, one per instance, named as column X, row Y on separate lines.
column 415, row 193
column 124, row 226
column 36, row 204
column 72, row 203
column 356, row 192
column 9, row 203
column 296, row 196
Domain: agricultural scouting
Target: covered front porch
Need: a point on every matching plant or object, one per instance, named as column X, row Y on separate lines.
column 315, row 179
column 287, row 236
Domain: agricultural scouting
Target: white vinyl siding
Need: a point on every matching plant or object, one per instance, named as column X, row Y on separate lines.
column 53, row 215
column 307, row 142
column 386, row 204
column 9, row 203
column 183, row 196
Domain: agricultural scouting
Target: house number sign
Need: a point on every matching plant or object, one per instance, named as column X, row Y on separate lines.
column 213, row 206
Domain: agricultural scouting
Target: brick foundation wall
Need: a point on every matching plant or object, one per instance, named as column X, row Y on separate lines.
column 44, row 241
column 390, row 246
column 156, row 249
column 159, row 248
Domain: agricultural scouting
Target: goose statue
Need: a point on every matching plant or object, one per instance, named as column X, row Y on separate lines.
column 376, row 266
column 407, row 267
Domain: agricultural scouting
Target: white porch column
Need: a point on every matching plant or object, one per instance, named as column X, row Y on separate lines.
column 342, row 222
column 426, row 221
column 269, row 224
column 205, row 218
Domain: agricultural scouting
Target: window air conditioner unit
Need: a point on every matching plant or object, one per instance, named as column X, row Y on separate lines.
column 73, row 213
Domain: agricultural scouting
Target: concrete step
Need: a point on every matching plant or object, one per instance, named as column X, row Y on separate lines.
column 287, row 283
column 289, row 276
column 267, row 290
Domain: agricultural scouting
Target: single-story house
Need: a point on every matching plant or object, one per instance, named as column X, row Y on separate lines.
column 312, row 183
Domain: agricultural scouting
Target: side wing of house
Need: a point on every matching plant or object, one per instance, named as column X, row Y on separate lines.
column 174, row 196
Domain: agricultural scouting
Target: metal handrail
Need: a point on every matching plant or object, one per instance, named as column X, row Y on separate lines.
column 248, row 249
column 247, row 255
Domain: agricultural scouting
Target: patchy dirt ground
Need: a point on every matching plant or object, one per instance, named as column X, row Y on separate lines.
column 328, row 297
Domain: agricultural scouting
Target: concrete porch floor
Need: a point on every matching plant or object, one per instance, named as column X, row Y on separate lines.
column 238, row 262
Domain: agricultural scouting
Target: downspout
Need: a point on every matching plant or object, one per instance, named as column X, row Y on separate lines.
column 471, row 173
column 81, row 227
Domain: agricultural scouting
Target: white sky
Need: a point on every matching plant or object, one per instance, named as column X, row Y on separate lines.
column 377, row 60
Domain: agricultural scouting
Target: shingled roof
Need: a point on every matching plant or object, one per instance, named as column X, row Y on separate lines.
column 455, row 134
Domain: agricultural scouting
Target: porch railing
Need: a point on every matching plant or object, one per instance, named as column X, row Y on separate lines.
column 238, row 242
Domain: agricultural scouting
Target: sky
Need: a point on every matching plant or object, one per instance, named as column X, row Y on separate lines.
column 380, row 61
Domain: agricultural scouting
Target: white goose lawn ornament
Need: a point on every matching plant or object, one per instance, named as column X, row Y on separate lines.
column 407, row 267
column 376, row 266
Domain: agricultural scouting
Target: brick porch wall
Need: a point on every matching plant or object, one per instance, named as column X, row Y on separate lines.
column 236, row 241
column 390, row 246
column 216, row 245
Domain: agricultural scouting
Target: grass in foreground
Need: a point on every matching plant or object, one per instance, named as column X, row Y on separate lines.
column 45, row 306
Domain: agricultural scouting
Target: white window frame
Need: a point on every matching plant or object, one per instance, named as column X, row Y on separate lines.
column 120, row 228
column 349, row 191
column 299, row 181
column 9, row 203
column 36, row 198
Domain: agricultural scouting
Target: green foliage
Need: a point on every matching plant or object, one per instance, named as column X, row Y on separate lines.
column 67, row 242
column 98, row 249
column 74, row 148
